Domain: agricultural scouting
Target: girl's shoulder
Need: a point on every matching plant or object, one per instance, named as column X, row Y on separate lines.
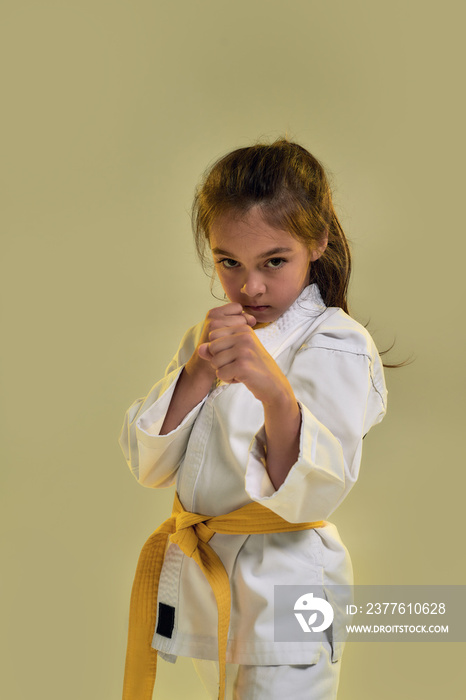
column 339, row 331
column 308, row 323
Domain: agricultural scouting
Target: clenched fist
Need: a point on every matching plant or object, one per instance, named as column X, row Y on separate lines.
column 236, row 354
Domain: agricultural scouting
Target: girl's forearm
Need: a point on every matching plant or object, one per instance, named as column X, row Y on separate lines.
column 282, row 431
column 192, row 386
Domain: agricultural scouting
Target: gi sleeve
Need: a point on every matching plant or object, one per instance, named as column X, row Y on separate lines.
column 341, row 394
column 152, row 458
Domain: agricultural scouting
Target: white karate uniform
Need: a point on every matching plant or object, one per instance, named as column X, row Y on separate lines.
column 216, row 458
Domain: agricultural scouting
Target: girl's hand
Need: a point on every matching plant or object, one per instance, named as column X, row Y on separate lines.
column 228, row 316
column 198, row 375
column 237, row 355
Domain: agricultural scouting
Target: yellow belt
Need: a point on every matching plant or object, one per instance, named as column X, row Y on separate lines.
column 191, row 532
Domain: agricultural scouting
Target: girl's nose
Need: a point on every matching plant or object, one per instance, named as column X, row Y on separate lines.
column 253, row 285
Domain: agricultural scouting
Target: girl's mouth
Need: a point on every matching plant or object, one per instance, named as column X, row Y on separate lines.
column 256, row 308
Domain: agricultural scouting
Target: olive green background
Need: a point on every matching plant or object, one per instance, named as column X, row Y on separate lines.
column 111, row 111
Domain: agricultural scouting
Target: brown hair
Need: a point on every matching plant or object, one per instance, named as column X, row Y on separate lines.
column 292, row 190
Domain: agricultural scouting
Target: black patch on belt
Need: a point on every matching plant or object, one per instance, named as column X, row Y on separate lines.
column 166, row 621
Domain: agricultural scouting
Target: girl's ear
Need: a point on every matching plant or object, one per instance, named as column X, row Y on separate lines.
column 319, row 250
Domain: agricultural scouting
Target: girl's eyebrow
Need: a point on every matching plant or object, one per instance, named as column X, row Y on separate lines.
column 269, row 253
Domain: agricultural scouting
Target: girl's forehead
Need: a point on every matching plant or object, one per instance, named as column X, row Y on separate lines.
column 248, row 229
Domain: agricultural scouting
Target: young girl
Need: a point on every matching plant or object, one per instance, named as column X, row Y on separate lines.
column 259, row 422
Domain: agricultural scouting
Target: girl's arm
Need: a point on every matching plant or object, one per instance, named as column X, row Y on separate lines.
column 198, row 375
column 281, row 412
column 282, row 421
column 193, row 384
column 338, row 381
column 239, row 356
column 152, row 446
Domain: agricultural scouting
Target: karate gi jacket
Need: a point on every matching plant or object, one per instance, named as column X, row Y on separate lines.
column 216, row 458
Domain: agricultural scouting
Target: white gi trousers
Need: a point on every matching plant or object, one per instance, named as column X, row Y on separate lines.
column 318, row 681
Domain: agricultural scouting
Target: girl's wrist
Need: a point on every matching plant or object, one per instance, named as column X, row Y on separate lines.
column 280, row 397
column 200, row 370
column 282, row 408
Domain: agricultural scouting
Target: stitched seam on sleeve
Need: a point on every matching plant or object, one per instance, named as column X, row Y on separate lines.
column 349, row 351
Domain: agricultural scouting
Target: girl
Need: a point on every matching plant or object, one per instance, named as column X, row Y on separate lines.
column 259, row 421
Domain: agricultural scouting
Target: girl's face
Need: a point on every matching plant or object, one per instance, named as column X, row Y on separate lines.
column 263, row 268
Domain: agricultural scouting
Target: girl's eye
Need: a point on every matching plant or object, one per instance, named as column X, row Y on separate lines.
column 275, row 263
column 228, row 263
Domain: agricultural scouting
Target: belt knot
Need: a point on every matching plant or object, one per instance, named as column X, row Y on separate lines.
column 189, row 529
